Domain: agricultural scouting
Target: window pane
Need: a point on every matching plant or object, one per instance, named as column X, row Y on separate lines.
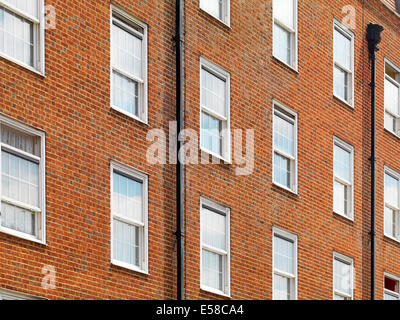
column 127, row 51
column 283, row 135
column 281, row 288
column 126, row 243
column 342, row 165
column 127, row 197
column 390, row 123
column 211, row 138
column 341, row 79
column 20, row 179
column 212, row 270
column 342, row 274
column 283, row 255
column 18, row 219
column 340, row 198
column 391, row 223
column 213, row 229
column 284, row 11
column 28, row 6
column 342, row 50
column 20, row 140
column 213, row 93
column 390, row 297
column 2, row 30
column 391, row 190
column 337, row 297
column 282, row 170
column 282, row 44
column 213, row 7
column 391, row 97
column 125, row 93
column 16, row 35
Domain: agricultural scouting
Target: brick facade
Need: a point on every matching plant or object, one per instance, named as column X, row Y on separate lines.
column 71, row 104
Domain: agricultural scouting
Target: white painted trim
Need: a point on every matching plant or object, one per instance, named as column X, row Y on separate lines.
column 143, row 251
column 226, row 12
column 389, row 292
column 276, row 231
column 6, row 294
column 349, row 148
column 143, row 87
column 276, row 106
column 395, row 175
column 295, row 52
column 41, row 238
column 226, row 140
column 347, row 260
column 395, row 82
column 214, row 291
column 339, row 27
column 227, row 271
column 128, row 266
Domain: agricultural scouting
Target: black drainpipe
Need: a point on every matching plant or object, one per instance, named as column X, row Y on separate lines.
column 179, row 166
column 373, row 38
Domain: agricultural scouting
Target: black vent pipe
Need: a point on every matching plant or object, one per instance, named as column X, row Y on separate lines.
column 179, row 165
column 374, row 38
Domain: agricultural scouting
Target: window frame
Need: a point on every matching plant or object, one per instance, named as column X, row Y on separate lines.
column 294, row 36
column 40, row 216
column 38, row 37
column 127, row 21
column 346, row 260
column 396, row 83
column 349, row 148
column 394, row 174
column 218, row 209
column 226, row 137
column 341, row 28
column 294, row 160
column 288, row 236
column 389, row 292
column 226, row 7
column 6, row 294
column 133, row 174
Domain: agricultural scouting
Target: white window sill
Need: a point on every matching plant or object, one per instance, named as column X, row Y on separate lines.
column 21, row 235
column 343, row 101
column 391, row 238
column 285, row 188
column 344, row 216
column 216, row 155
column 392, row 133
column 21, row 64
column 215, row 291
column 129, row 266
column 130, row 115
column 294, row 68
column 226, row 24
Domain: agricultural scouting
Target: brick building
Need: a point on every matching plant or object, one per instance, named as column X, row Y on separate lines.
column 86, row 88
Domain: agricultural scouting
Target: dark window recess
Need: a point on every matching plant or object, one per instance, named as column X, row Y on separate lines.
column 391, row 284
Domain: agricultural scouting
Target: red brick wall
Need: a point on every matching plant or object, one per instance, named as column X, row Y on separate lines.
column 256, row 205
column 72, row 105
